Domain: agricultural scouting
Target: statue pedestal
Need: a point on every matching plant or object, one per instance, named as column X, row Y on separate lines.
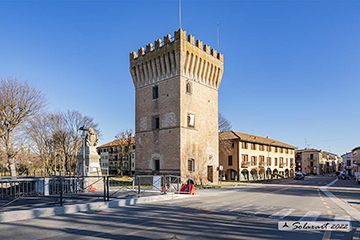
column 89, row 167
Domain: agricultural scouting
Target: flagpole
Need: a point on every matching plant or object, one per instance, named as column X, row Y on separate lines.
column 180, row 14
column 218, row 37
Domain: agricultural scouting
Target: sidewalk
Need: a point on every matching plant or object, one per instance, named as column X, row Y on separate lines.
column 45, row 210
column 348, row 191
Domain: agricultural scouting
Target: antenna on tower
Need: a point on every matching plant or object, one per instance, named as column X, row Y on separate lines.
column 218, row 37
column 180, row 14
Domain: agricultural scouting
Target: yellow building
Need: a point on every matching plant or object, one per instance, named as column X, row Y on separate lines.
column 249, row 157
column 313, row 161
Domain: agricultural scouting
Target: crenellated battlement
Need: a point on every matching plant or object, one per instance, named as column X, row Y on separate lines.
column 181, row 55
column 168, row 40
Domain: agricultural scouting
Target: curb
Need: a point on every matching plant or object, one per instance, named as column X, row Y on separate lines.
column 20, row 215
column 350, row 210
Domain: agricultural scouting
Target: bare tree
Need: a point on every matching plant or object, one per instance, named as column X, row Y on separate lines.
column 70, row 145
column 57, row 139
column 38, row 131
column 225, row 146
column 224, row 124
column 125, row 141
column 19, row 103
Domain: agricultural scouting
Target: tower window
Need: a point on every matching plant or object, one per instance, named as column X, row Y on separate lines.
column 156, row 122
column 191, row 165
column 230, row 160
column 188, row 88
column 155, row 92
column 156, row 165
column 191, row 120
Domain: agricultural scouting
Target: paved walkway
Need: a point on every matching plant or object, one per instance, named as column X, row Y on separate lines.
column 348, row 191
column 26, row 203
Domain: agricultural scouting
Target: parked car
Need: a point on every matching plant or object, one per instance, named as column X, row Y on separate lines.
column 344, row 176
column 303, row 173
column 299, row 176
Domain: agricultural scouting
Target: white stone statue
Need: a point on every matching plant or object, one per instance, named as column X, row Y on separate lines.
column 91, row 139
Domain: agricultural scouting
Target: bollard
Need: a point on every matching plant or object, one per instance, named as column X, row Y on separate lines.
column 107, row 187
column 139, row 187
column 104, row 179
column 61, row 192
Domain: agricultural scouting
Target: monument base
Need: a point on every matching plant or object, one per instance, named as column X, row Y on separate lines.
column 90, row 169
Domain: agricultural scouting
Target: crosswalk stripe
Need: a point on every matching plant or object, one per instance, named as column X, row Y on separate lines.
column 209, row 206
column 340, row 217
column 282, row 214
column 263, row 209
column 243, row 206
column 237, row 207
column 310, row 216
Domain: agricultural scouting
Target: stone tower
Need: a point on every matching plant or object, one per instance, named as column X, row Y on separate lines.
column 176, row 91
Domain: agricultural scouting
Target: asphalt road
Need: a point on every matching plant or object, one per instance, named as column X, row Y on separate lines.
column 249, row 211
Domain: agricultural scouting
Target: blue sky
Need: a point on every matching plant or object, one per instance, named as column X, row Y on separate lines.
column 291, row 67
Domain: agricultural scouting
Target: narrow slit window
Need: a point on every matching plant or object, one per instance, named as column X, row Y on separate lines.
column 156, row 122
column 155, row 92
column 188, row 88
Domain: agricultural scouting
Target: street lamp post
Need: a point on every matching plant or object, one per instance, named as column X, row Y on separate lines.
column 83, row 170
column 83, row 129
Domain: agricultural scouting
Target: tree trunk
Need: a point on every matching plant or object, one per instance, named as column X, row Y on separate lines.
column 12, row 167
column 10, row 153
column 121, row 167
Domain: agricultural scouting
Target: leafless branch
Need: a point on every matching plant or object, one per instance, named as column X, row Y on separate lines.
column 19, row 103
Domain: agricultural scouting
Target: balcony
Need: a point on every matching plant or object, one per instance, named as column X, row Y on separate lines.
column 292, row 165
column 262, row 164
column 281, row 165
column 245, row 164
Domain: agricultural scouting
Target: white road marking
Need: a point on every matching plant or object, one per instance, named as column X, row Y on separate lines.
column 326, row 235
column 282, row 214
column 350, row 210
column 310, row 216
column 264, row 208
column 210, row 206
column 341, row 217
column 242, row 206
column 338, row 217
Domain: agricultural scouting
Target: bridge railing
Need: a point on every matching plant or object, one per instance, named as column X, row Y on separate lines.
column 59, row 190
